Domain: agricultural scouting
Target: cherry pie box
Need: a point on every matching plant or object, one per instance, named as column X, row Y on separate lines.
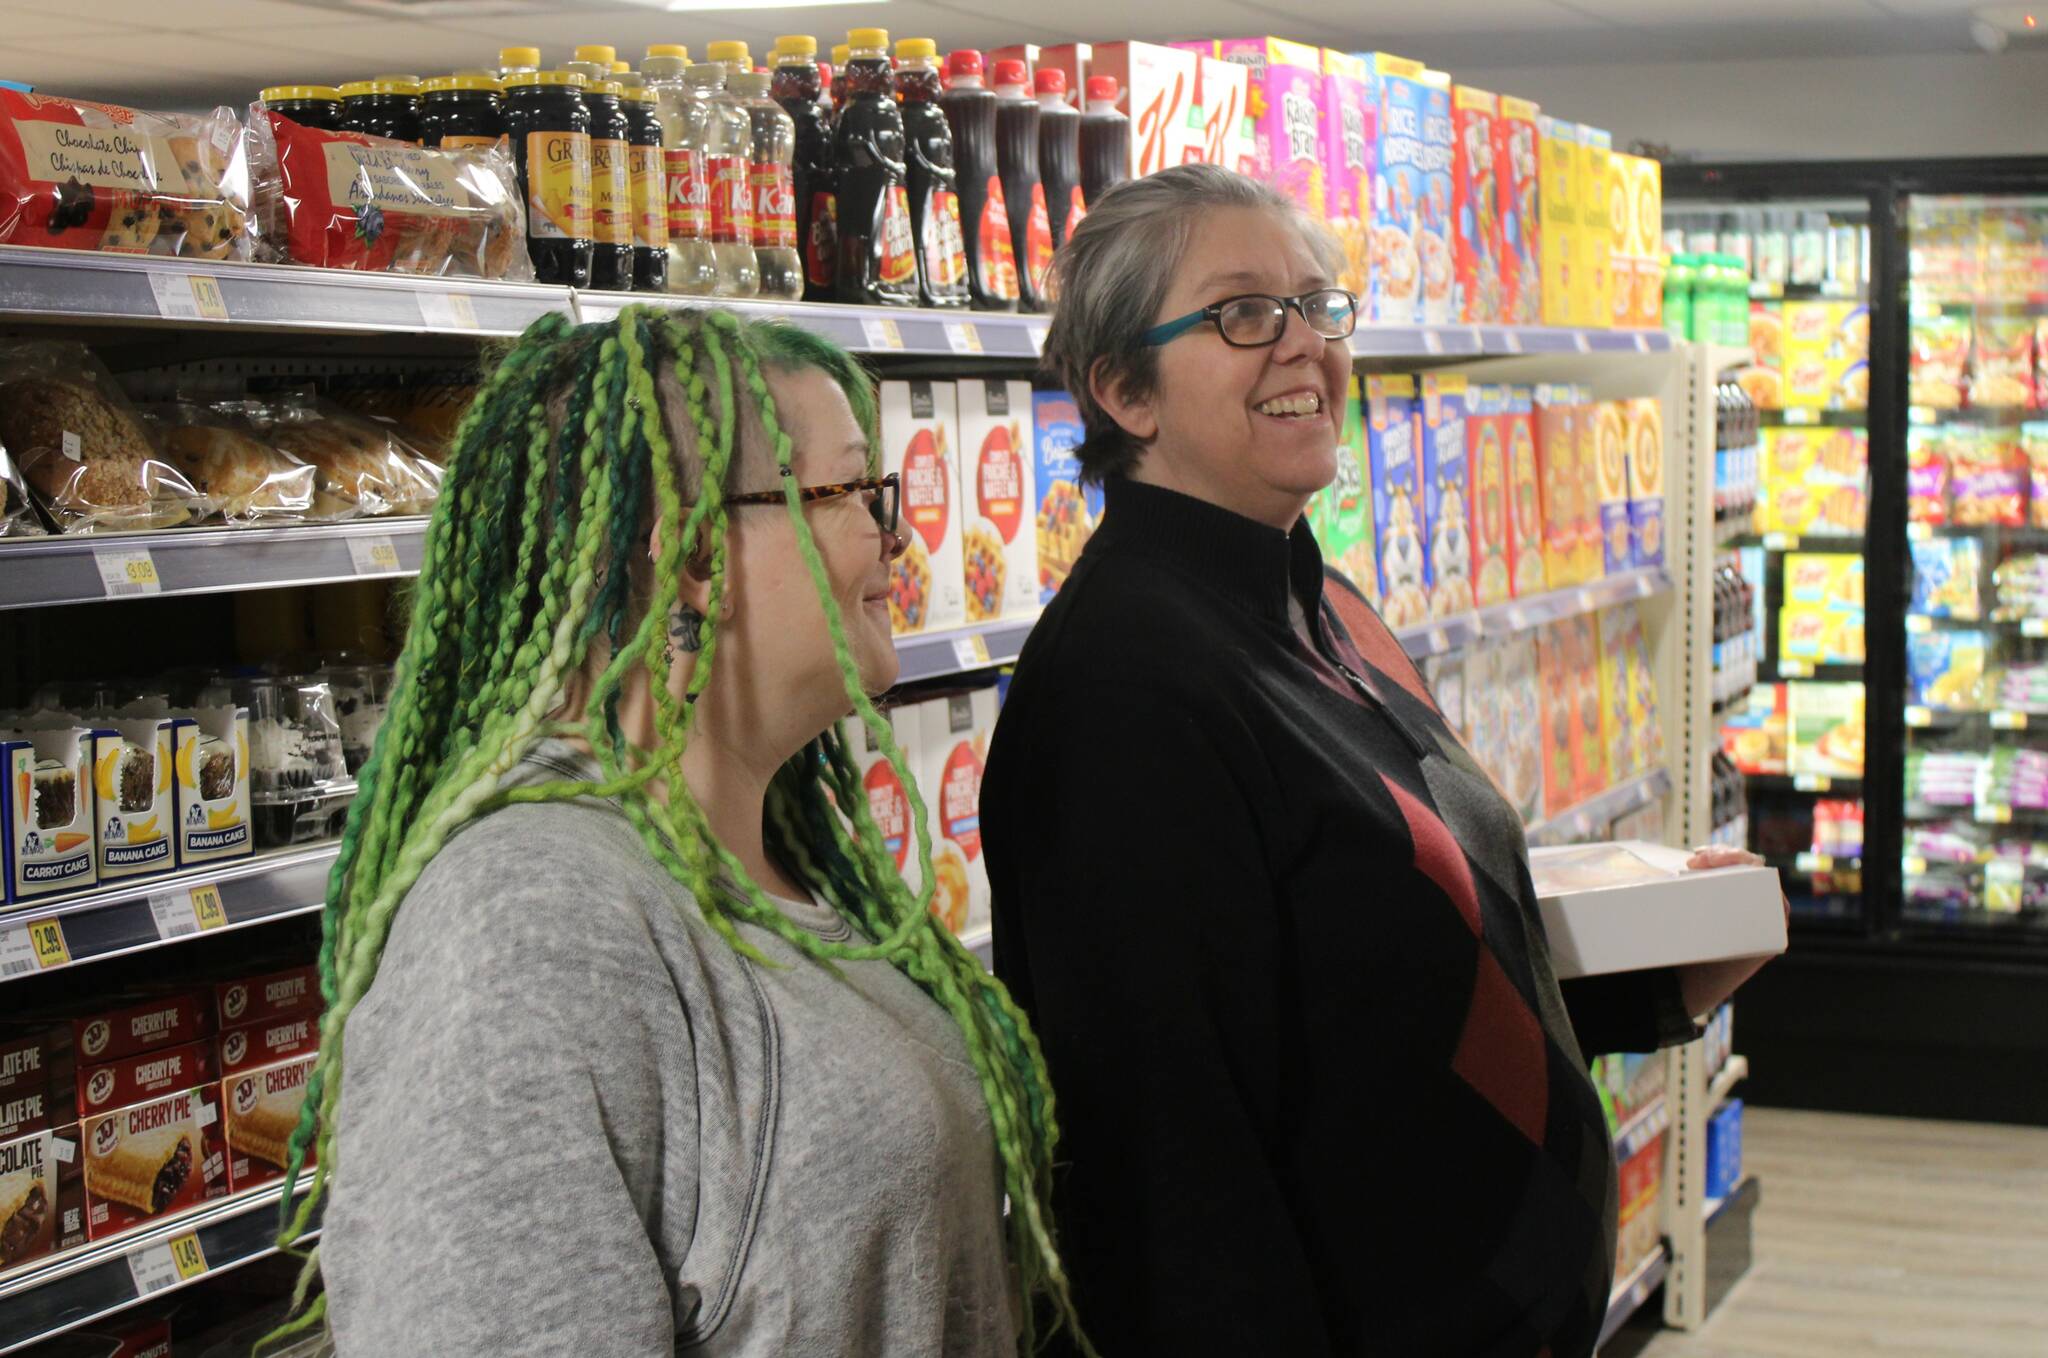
column 140, row 1078
column 46, row 804
column 260, row 999
column 1000, row 548
column 262, row 1110
column 212, row 763
column 1643, row 423
column 267, row 1043
column 169, row 1020
column 153, row 1159
column 1632, row 906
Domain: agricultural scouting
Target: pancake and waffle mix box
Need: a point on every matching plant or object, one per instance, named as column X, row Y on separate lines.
column 1610, row 477
column 1068, row 510
column 1475, row 217
column 262, row 1111
column 1000, row 550
column 1346, row 527
column 1596, row 229
column 48, row 808
column 954, row 732
column 888, row 799
column 1446, row 490
column 1394, row 445
column 212, row 764
column 1559, row 159
column 1643, row 420
column 1155, row 90
column 1284, row 98
column 927, row 587
column 153, row 1159
column 1411, row 194
column 1557, row 459
column 1527, row 572
column 1351, row 118
column 136, row 795
column 1486, row 454
column 1517, row 165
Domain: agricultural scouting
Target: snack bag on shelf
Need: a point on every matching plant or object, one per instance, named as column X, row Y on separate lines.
column 1155, row 90
column 927, row 582
column 361, row 466
column 1756, row 734
column 1489, row 511
column 1067, row 510
column 1946, row 572
column 84, row 176
column 888, row 800
column 1476, row 224
column 1527, row 572
column 953, row 752
column 2002, row 363
column 89, row 457
column 1284, row 100
column 227, row 461
column 212, row 764
column 1610, row 468
column 342, row 200
column 132, row 784
column 1446, row 491
column 1521, row 219
column 1350, row 134
column 1927, row 475
column 1987, row 478
column 1643, row 435
column 1000, row 550
column 1939, row 354
column 17, row 515
column 1595, row 305
column 1559, row 156
column 1523, row 707
column 2034, row 447
column 262, row 1111
column 1827, row 730
column 1589, row 754
column 1346, row 533
column 1404, row 170
column 1947, row 670
column 1559, row 722
column 1557, row 457
column 48, row 806
column 153, row 1160
column 1617, row 736
column 1400, row 527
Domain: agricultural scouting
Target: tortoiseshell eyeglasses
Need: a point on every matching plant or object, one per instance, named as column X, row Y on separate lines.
column 885, row 498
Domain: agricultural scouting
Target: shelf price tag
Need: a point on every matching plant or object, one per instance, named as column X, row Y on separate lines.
column 1913, row 866
column 177, row 1260
column 1795, row 669
column 1432, row 342
column 963, row 338
column 376, row 555
column 1919, row 716
column 1919, row 532
column 180, row 914
column 46, row 936
column 1919, row 622
column 1781, row 542
column 1812, row 782
column 1994, row 813
column 881, row 332
column 1814, row 862
column 971, row 652
column 447, row 311
column 1801, row 415
column 2003, row 720
column 127, row 571
column 17, row 954
column 1037, row 333
column 188, row 297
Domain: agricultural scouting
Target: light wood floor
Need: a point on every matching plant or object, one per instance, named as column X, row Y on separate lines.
column 1884, row 1236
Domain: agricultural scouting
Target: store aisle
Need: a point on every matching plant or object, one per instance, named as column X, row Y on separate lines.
column 1884, row 1235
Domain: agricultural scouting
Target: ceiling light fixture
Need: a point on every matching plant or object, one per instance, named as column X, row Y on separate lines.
column 742, row 6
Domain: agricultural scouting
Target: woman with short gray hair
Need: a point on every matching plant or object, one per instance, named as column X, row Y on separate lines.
column 1319, row 1088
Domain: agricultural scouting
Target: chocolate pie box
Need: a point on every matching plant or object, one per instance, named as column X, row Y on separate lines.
column 1632, row 906
column 153, row 1159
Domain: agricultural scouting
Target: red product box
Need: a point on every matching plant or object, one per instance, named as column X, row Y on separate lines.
column 152, row 1160
column 265, row 1044
column 162, row 1021
column 258, row 999
column 129, row 1337
column 1642, row 1184
column 25, row 1111
column 151, row 1075
column 34, row 1058
column 1589, row 751
column 1526, row 572
column 1475, row 204
column 1557, row 463
column 262, row 1112
column 1521, row 239
column 28, row 1198
column 1557, row 693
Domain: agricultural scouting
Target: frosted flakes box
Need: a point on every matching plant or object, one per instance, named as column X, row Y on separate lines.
column 152, row 1160
column 212, row 764
column 1594, row 306
column 888, row 800
column 953, row 753
column 1446, row 491
column 1586, row 555
column 1527, row 573
column 137, row 800
column 1067, row 510
column 262, row 1111
column 1558, row 722
column 1346, row 530
column 1475, row 217
column 1558, row 155
column 1411, row 194
column 1487, row 456
column 1284, row 99
column 1155, row 90
column 1643, row 429
column 1351, row 117
column 1000, row 548
column 1516, row 163
column 1400, row 532
column 1610, row 474
column 48, row 807
column 1557, row 457
column 927, row 588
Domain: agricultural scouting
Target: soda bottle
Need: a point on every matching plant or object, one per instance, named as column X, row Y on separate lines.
column 1059, row 156
column 771, row 175
column 1017, row 157
column 692, row 268
column 1105, row 141
column 726, row 135
column 971, row 115
column 877, row 249
column 796, row 87
column 934, row 186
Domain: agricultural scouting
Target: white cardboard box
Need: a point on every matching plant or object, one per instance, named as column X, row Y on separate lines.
column 997, row 502
column 952, row 753
column 919, row 423
column 1632, row 906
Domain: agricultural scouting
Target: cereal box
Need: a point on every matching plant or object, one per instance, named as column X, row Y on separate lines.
column 1558, row 154
column 262, row 1108
column 1646, row 187
column 152, row 1160
column 1610, row 465
column 1475, row 217
column 953, row 751
column 1827, row 730
column 1641, row 1182
column 1757, row 734
column 267, row 1043
column 1523, row 707
column 1643, row 717
column 28, row 1198
column 1587, row 560
column 888, row 800
column 1394, row 438
column 1554, row 661
column 1155, row 90
column 1346, row 532
column 1411, row 192
column 1487, row 455
column 47, row 806
column 1284, row 98
column 1595, row 306
column 1643, row 433
column 1000, row 552
column 1351, row 118
column 1521, row 255
column 1446, row 491
column 1526, row 570
column 212, row 764
column 1589, row 755
column 927, row 583
column 2034, row 445
column 1067, row 510
column 1223, row 93
column 1557, row 461
column 1617, row 736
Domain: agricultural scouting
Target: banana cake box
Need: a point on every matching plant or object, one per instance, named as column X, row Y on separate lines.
column 927, row 583
column 954, row 730
column 1400, row 520
column 1446, row 493
column 136, row 790
column 1068, row 510
column 48, row 808
column 152, row 1159
column 999, row 552
column 261, row 1109
column 212, row 763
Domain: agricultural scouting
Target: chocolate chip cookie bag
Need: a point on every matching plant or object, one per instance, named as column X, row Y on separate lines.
column 91, row 461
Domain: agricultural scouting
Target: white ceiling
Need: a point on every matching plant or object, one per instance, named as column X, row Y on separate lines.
column 205, row 51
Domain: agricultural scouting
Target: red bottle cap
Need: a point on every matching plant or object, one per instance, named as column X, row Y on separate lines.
column 966, row 61
column 825, row 75
column 1051, row 82
column 1011, row 73
column 1102, row 89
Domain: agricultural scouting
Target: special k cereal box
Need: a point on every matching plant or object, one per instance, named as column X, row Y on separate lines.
column 927, row 583
column 1475, row 219
column 263, row 1107
column 47, row 804
column 887, row 799
column 1527, row 571
column 1446, row 488
column 1486, row 454
column 1067, row 510
column 1559, row 693
column 1351, row 117
column 1000, row 551
column 1516, row 163
column 136, row 797
column 1610, row 479
column 1346, row 530
column 1223, row 97
column 1595, row 306
column 1411, row 194
column 1394, row 443
column 1558, row 155
column 1156, row 91
column 212, row 763
column 953, row 753
column 153, row 1159
column 1643, row 428
column 1284, row 98
column 1557, row 459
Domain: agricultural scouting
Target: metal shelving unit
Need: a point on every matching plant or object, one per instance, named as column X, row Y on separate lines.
column 1631, row 1292
column 1456, row 633
column 1591, row 817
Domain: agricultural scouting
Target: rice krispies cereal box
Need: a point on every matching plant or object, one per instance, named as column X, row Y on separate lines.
column 48, row 809
column 1446, row 493
column 999, row 553
column 1411, row 194
column 1643, row 431
column 1346, row 529
column 1475, row 216
column 1522, row 703
column 954, row 731
column 1351, row 118
column 1067, row 510
column 1284, row 99
column 927, row 583
column 1589, row 754
column 153, row 1159
column 262, row 1109
column 1586, row 560
column 1557, row 461
column 1400, row 528
column 212, row 765
column 1596, row 231
column 1559, row 722
column 1516, row 164
column 1486, row 454
column 1155, row 90
column 1610, row 477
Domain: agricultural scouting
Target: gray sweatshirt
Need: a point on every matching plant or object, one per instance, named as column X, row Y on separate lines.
column 574, row 1121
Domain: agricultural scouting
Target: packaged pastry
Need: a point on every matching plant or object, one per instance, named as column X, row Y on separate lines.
column 1827, row 729
column 37, row 1109
column 2002, row 362
column 1000, row 552
column 84, row 176
column 133, row 785
column 151, row 1024
column 153, row 1159
column 1446, row 488
column 425, row 411
column 362, row 467
column 28, row 1198
column 88, row 457
column 48, row 808
column 299, row 784
column 1939, row 355
column 2034, row 448
column 362, row 694
column 1400, row 521
column 1068, row 508
column 342, row 200
column 263, row 1109
column 212, row 765
column 268, row 997
column 17, row 514
column 34, row 1056
column 140, row 1078
column 269, row 1041
column 1557, row 454
column 232, row 466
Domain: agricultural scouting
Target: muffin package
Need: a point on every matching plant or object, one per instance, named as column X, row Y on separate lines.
column 227, row 460
column 363, row 466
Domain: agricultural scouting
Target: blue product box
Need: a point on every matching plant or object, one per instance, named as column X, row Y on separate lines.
column 1067, row 510
column 1446, row 493
column 1393, row 443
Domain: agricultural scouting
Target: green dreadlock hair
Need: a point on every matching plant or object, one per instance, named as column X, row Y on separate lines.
column 555, row 476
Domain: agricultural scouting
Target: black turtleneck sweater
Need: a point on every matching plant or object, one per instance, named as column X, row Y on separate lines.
column 1319, row 1089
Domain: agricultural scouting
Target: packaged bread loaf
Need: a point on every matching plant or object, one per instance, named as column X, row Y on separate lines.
column 363, row 466
column 227, row 460
column 89, row 459
column 425, row 410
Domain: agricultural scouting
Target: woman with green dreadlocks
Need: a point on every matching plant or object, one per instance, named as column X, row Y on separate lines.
column 636, row 1041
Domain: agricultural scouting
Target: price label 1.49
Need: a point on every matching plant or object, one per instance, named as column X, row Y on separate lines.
column 177, row 1260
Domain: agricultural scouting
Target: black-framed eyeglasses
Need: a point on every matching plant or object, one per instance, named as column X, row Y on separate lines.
column 885, row 496
column 1254, row 320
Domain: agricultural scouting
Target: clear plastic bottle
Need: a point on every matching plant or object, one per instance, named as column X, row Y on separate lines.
column 692, row 267
column 771, row 178
column 726, row 134
column 625, row 76
column 734, row 56
column 593, row 61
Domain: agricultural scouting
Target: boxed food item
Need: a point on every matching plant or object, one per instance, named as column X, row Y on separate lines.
column 153, row 1159
column 1444, row 677
column 1946, row 577
column 1635, row 196
column 36, row 1109
column 1757, row 734
column 1640, row 1223
column 1222, row 94
column 1610, row 479
column 1068, row 509
column 953, row 752
column 1351, row 120
column 1617, row 640
column 1588, row 752
column 1475, row 218
column 267, row 1042
column 927, row 583
column 1486, row 451
column 1987, row 478
column 299, row 784
column 1404, row 169
column 1587, row 558
column 28, row 1197
column 1938, row 360
column 1643, row 717
column 212, row 764
column 1827, row 729
column 1558, row 155
column 1559, row 722
column 1527, row 569
column 1816, row 482
column 271, row 996
column 1284, row 101
column 1446, row 490
column 1155, row 90
column 1947, row 670
column 1000, row 551
column 140, row 1077
column 1643, row 432
column 1394, row 438
column 1595, row 307
column 1521, row 218
column 1483, row 736
column 1346, row 531
column 230, row 465
column 1634, row 906
column 48, row 808
column 2002, row 363
column 1524, row 708
column 1557, row 458
column 34, row 1056
column 263, row 1108
column 1821, row 619
column 132, row 787
column 149, row 1024
column 887, row 798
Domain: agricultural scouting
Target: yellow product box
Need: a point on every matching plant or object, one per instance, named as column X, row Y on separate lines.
column 1788, row 503
column 212, row 764
column 1588, row 560
column 1557, row 155
column 48, row 807
column 1610, row 475
column 1557, row 454
column 1809, row 330
column 138, row 805
column 1644, row 420
column 1624, row 753
column 1818, row 635
column 1596, row 228
column 1826, row 581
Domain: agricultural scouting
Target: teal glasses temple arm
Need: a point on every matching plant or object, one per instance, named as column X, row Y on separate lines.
column 1174, row 329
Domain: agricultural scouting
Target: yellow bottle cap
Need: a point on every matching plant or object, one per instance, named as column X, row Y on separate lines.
column 597, row 54
column 668, row 49
column 611, row 87
column 729, row 52
column 382, row 85
column 571, row 79
column 913, row 49
column 509, row 57
column 638, row 94
column 840, row 54
column 796, row 45
column 441, row 84
column 622, row 68
column 279, row 93
column 868, row 37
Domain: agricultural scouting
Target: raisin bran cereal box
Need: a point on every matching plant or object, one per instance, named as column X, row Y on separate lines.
column 888, row 800
column 1516, row 163
column 1527, row 571
column 153, row 1159
column 1595, row 307
column 1409, row 209
column 1284, row 99
column 137, row 802
column 1351, row 116
column 1067, row 510
column 1346, row 531
column 1558, row 154
column 1610, row 477
column 47, row 806
column 28, row 1198
column 212, row 764
column 1394, row 445
column 1488, row 512
column 1000, row 551
column 1155, row 90
column 927, row 587
column 1446, row 489
column 1559, row 692
column 953, row 753
column 262, row 1108
column 1557, row 461
column 1643, row 429
column 1476, row 226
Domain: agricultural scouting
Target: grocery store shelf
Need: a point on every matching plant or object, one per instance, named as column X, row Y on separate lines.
column 1806, row 415
column 1631, row 1292
column 910, row 331
column 1457, row 632
column 2026, row 627
column 958, row 650
column 1986, row 307
column 1642, row 1129
column 1494, row 341
column 1791, row 542
column 1590, row 818
column 1919, row 717
column 1794, row 292
column 1800, row 669
column 1805, row 782
column 1984, row 813
column 1732, row 1073
column 1713, row 1206
column 1722, row 357
column 1930, row 416
column 1813, row 864
column 89, row 1284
